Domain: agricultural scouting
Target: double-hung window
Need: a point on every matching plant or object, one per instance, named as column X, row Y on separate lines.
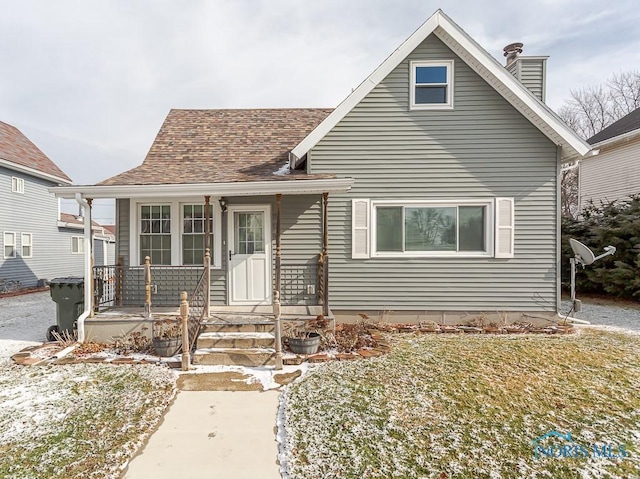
column 155, row 233
column 193, row 233
column 431, row 85
column 432, row 229
column 9, row 243
column 77, row 244
column 27, row 245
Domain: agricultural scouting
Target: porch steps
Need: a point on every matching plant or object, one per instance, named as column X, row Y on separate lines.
column 236, row 340
column 235, row 356
column 239, row 340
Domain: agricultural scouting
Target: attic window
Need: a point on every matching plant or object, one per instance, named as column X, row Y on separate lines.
column 432, row 85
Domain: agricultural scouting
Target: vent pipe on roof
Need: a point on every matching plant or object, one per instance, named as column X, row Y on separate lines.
column 512, row 51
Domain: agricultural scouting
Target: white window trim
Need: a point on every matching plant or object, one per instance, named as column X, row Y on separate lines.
column 30, row 244
column 176, row 228
column 488, row 228
column 17, row 185
column 80, row 244
column 4, row 243
column 449, row 64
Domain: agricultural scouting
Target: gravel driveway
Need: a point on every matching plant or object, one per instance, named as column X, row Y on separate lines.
column 624, row 315
column 24, row 321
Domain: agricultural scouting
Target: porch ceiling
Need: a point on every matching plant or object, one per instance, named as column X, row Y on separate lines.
column 253, row 188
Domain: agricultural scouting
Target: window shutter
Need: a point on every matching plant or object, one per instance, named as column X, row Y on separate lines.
column 504, row 227
column 360, row 243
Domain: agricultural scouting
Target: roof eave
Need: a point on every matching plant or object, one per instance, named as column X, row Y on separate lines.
column 623, row 138
column 253, row 188
column 33, row 172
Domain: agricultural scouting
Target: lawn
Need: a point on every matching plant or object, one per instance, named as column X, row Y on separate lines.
column 449, row 406
column 77, row 421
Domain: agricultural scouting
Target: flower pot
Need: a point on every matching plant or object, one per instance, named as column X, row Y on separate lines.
column 307, row 345
column 166, row 348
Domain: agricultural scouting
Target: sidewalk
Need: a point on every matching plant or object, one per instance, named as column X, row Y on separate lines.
column 211, row 434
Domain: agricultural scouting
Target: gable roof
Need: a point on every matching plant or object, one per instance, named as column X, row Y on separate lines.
column 481, row 62
column 19, row 153
column 624, row 125
column 68, row 220
column 223, row 146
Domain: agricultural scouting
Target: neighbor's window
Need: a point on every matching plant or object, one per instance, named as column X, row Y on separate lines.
column 77, row 244
column 155, row 233
column 427, row 229
column 9, row 245
column 432, row 85
column 27, row 245
column 193, row 229
column 17, row 185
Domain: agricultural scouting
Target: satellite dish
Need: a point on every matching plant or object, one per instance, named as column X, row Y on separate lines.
column 583, row 254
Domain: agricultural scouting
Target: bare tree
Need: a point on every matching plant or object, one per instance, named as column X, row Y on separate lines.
column 569, row 196
column 593, row 108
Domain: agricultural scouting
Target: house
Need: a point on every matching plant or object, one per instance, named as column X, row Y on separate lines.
column 614, row 173
column 36, row 246
column 431, row 190
column 104, row 239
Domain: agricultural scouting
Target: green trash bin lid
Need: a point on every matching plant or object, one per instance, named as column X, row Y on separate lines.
column 69, row 280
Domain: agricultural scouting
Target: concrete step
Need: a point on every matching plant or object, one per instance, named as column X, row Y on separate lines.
column 235, row 357
column 240, row 340
column 237, row 327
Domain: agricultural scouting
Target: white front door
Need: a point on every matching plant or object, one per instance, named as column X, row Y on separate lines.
column 249, row 254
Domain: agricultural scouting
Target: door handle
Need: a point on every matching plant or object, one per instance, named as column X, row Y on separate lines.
column 229, row 255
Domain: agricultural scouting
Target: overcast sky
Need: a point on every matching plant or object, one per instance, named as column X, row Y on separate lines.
column 90, row 82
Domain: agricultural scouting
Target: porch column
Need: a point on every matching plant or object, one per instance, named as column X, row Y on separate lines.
column 325, row 254
column 88, row 259
column 207, row 255
column 276, row 293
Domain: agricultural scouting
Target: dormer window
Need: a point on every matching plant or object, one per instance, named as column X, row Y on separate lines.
column 432, row 85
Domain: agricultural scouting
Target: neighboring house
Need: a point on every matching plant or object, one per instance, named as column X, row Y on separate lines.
column 433, row 187
column 104, row 239
column 35, row 246
column 614, row 173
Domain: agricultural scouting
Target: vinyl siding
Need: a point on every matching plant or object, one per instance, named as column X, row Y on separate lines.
column 612, row 175
column 483, row 148
column 35, row 212
column 301, row 242
column 531, row 72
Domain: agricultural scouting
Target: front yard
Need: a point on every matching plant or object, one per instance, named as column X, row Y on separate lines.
column 471, row 406
column 77, row 421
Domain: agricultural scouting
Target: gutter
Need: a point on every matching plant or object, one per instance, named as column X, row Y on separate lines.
column 87, row 266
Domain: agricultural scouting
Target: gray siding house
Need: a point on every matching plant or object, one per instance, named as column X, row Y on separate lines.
column 35, row 246
column 614, row 173
column 431, row 189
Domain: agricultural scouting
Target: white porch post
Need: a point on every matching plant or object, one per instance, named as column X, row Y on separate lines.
column 88, row 259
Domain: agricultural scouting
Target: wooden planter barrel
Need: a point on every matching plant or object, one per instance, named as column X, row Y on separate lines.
column 307, row 345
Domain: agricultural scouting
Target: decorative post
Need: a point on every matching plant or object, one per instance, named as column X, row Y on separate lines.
column 147, row 287
column 325, row 253
column 119, row 278
column 207, row 291
column 184, row 315
column 276, row 294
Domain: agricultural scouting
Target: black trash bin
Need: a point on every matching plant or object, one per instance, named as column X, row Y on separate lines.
column 68, row 294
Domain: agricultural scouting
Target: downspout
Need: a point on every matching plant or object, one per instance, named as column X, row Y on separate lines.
column 87, row 266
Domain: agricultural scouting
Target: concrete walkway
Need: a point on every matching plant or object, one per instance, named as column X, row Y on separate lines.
column 213, row 434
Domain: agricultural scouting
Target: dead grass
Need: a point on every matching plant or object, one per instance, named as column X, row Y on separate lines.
column 468, row 406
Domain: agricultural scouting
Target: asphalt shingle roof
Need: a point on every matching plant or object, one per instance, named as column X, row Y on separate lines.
column 18, row 149
column 624, row 125
column 223, row 146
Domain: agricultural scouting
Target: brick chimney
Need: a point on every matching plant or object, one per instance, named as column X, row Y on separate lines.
column 531, row 71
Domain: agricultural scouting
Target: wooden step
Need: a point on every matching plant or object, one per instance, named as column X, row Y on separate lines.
column 238, row 327
column 244, row 340
column 235, row 357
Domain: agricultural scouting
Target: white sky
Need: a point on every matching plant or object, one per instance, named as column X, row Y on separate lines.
column 90, row 81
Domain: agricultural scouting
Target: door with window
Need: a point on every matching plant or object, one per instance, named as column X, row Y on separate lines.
column 249, row 255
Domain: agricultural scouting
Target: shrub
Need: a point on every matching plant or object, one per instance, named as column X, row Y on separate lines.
column 616, row 224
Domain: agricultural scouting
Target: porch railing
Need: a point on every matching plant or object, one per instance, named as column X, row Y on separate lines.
column 197, row 308
column 106, row 282
column 298, row 283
